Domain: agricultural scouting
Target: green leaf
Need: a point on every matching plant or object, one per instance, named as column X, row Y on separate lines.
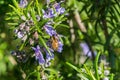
column 28, row 8
column 111, row 76
column 38, row 7
column 33, row 15
column 16, row 10
column 30, row 74
column 44, row 44
column 74, row 67
column 63, row 25
column 96, row 66
column 16, row 4
column 12, row 24
column 90, row 74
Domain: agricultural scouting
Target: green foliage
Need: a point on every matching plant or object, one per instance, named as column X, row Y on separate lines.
column 87, row 73
column 97, row 24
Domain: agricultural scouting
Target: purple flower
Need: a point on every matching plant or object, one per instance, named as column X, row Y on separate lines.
column 44, row 14
column 49, row 30
column 86, row 49
column 22, row 26
column 38, row 55
column 48, row 14
column 51, row 13
column 48, row 57
column 57, row 5
column 38, row 17
column 59, row 9
column 20, row 34
column 54, row 11
column 60, row 46
column 30, row 22
column 23, row 3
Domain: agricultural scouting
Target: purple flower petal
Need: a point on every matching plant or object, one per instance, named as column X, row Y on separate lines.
column 51, row 13
column 59, row 9
column 48, row 13
column 86, row 49
column 48, row 57
column 49, row 30
column 38, row 55
column 60, row 47
column 45, row 15
column 20, row 34
column 23, row 3
column 62, row 10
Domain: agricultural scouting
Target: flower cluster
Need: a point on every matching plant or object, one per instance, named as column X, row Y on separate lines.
column 40, row 58
column 23, row 30
column 20, row 55
column 54, row 43
column 104, row 68
column 29, row 34
column 54, row 11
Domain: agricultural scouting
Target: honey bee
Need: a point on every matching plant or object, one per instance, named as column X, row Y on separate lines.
column 54, row 43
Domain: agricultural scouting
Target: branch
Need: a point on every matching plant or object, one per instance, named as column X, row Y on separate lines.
column 79, row 22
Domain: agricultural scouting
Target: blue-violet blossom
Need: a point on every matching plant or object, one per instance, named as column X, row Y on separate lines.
column 48, row 57
column 60, row 46
column 58, row 8
column 86, row 50
column 39, row 55
column 49, row 30
column 23, row 3
column 48, row 14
